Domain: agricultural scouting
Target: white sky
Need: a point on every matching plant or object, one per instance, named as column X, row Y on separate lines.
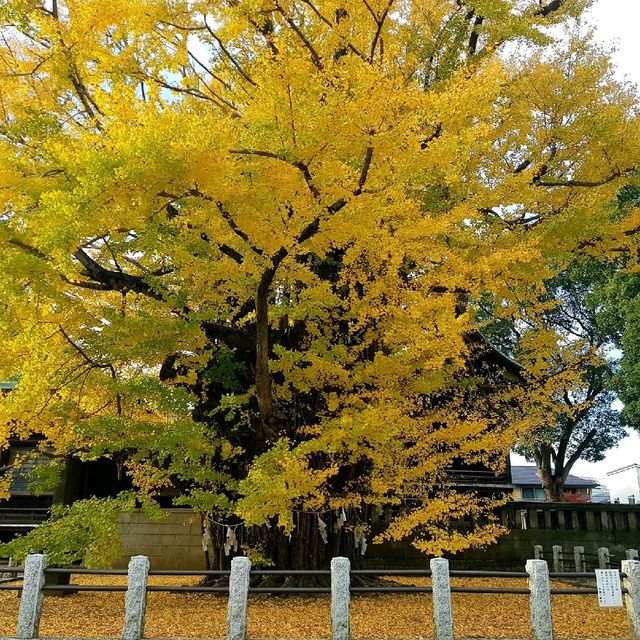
column 617, row 24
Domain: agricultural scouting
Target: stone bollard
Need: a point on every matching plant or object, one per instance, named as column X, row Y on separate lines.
column 579, row 559
column 604, row 559
column 238, row 596
column 558, row 562
column 631, row 554
column 631, row 569
column 340, row 598
column 538, row 552
column 442, row 611
column 540, row 600
column 32, row 595
column 136, row 598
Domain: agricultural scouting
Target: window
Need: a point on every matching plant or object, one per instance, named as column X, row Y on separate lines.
column 532, row 493
column 20, row 475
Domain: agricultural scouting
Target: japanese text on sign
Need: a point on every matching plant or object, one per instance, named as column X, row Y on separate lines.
column 609, row 588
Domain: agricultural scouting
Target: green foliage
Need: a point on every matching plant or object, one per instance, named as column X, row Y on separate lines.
column 621, row 311
column 86, row 532
column 618, row 303
column 581, row 421
column 226, row 371
column 44, row 478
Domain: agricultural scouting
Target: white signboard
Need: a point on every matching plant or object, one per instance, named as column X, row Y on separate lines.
column 609, row 588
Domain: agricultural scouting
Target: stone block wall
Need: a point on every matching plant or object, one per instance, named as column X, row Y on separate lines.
column 175, row 541
column 615, row 526
column 171, row 542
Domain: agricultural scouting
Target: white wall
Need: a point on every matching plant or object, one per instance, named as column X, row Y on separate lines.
column 624, row 483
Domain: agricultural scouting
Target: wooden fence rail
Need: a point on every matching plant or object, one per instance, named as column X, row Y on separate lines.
column 579, row 560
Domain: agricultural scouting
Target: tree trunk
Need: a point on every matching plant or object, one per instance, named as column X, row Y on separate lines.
column 263, row 379
column 304, row 549
column 552, row 481
column 553, row 488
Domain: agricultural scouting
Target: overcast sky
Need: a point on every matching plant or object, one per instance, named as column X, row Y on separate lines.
column 617, row 24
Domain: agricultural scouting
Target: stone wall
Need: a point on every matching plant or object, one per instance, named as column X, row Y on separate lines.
column 616, row 526
column 171, row 542
column 175, row 541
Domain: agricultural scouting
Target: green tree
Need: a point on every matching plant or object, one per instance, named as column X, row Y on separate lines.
column 579, row 421
column 620, row 317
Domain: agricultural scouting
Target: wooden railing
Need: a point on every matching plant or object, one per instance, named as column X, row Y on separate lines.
column 571, row 516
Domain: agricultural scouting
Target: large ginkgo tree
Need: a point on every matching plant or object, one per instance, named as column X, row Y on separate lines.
column 242, row 244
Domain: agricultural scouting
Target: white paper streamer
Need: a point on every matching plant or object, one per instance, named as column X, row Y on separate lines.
column 360, row 539
column 322, row 528
column 231, row 542
column 340, row 521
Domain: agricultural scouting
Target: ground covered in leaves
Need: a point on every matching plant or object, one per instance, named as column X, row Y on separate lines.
column 100, row 614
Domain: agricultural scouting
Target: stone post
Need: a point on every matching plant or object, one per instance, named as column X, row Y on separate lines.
column 8, row 576
column 631, row 554
column 540, row 600
column 442, row 611
column 631, row 569
column 340, row 598
column 538, row 552
column 136, row 599
column 558, row 562
column 32, row 595
column 238, row 597
column 604, row 559
column 579, row 559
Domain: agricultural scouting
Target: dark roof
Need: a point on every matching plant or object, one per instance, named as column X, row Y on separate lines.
column 483, row 351
column 525, row 476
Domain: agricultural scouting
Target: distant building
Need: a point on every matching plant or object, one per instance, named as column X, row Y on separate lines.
column 624, row 484
column 601, row 494
column 527, row 485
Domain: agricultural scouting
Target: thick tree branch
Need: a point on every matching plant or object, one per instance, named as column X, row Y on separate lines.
column 29, row 249
column 475, row 35
column 365, row 171
column 379, row 26
column 262, row 374
column 114, row 280
column 240, row 339
column 226, row 52
column 315, row 57
column 564, row 443
column 236, row 229
column 549, row 8
column 578, row 452
column 578, row 183
column 236, row 256
column 173, row 212
column 301, row 166
column 437, row 132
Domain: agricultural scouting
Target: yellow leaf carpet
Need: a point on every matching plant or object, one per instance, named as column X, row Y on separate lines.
column 100, row 614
